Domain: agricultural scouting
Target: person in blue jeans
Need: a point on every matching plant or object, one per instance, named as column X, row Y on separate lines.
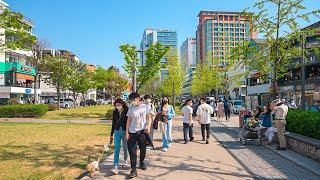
column 119, row 122
column 167, row 112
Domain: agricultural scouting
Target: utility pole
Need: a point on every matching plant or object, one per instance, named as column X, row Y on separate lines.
column 303, row 74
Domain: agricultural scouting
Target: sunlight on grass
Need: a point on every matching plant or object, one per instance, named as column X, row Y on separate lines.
column 41, row 151
column 81, row 113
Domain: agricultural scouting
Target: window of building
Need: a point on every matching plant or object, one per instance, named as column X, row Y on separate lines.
column 220, row 24
column 215, row 34
column 231, row 18
column 231, row 25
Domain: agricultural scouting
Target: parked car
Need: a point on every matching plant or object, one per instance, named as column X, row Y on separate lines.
column 88, row 102
column 236, row 106
column 66, row 103
column 313, row 108
column 103, row 101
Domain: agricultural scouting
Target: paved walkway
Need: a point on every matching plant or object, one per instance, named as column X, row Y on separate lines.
column 44, row 121
column 223, row 158
column 261, row 161
column 191, row 161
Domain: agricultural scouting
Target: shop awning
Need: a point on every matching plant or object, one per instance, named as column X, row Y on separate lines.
column 24, row 76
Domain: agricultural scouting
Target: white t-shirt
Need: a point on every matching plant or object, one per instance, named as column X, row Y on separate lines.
column 281, row 111
column 204, row 111
column 138, row 115
column 186, row 111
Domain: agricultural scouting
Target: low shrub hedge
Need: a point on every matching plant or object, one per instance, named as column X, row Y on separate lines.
column 305, row 123
column 23, row 110
column 52, row 107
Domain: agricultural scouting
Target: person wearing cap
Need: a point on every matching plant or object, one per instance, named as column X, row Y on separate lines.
column 118, row 130
column 148, row 102
column 280, row 110
column 204, row 112
column 137, row 129
column 187, row 120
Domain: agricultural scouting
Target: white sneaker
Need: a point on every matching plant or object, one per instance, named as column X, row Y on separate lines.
column 164, row 149
column 125, row 164
column 148, row 148
column 114, row 170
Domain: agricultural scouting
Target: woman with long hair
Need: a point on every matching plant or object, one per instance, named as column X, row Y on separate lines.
column 220, row 110
column 119, row 122
column 167, row 112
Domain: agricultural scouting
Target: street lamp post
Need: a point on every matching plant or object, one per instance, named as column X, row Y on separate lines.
column 303, row 74
column 135, row 71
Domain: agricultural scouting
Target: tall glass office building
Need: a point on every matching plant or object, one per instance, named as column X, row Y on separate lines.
column 164, row 37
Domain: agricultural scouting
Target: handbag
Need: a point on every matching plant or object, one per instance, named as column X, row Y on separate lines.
column 156, row 121
column 164, row 118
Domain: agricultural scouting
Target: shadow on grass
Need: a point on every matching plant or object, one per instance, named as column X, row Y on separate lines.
column 42, row 155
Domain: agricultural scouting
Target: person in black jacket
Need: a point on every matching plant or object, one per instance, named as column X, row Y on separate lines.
column 119, row 122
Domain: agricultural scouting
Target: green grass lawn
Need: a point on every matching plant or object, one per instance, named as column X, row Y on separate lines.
column 81, row 113
column 41, row 151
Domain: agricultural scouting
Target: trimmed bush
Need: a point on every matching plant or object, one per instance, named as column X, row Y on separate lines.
column 52, row 107
column 305, row 123
column 13, row 102
column 23, row 110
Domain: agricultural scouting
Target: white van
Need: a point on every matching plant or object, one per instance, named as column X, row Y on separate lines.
column 236, row 106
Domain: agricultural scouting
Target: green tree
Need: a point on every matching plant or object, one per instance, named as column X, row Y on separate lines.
column 16, row 30
column 272, row 20
column 152, row 87
column 205, row 79
column 172, row 84
column 37, row 62
column 79, row 80
column 151, row 65
column 58, row 73
column 110, row 81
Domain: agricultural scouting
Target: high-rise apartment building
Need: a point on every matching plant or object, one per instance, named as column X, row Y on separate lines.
column 164, row 37
column 220, row 31
column 188, row 53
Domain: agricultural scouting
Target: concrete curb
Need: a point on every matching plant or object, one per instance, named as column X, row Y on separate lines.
column 302, row 161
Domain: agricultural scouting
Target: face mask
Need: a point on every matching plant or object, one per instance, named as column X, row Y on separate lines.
column 148, row 101
column 119, row 108
column 135, row 103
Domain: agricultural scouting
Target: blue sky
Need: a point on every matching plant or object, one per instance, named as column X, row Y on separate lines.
column 94, row 29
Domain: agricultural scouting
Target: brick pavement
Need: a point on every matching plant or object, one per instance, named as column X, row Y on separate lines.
column 259, row 161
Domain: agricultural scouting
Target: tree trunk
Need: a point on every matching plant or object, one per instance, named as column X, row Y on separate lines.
column 173, row 95
column 74, row 99
column 276, row 52
column 35, row 89
column 58, row 93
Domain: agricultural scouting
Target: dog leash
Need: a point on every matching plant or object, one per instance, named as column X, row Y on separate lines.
column 105, row 149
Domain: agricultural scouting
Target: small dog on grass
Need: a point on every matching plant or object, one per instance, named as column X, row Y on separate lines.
column 93, row 167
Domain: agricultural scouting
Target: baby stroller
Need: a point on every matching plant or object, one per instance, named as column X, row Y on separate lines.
column 249, row 132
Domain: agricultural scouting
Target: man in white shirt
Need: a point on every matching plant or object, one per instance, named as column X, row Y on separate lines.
column 187, row 120
column 280, row 110
column 204, row 112
column 148, row 102
column 138, row 126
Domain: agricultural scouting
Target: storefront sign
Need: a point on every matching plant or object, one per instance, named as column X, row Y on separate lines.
column 25, row 68
column 4, row 95
column 307, row 87
column 1, row 79
column 28, row 91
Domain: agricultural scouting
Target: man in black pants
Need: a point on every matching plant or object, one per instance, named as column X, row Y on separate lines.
column 204, row 112
column 138, row 126
column 187, row 120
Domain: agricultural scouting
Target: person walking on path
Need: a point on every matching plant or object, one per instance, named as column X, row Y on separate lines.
column 137, row 129
column 213, row 104
column 148, row 102
column 204, row 117
column 220, row 110
column 119, row 121
column 280, row 110
column 227, row 111
column 167, row 113
column 187, row 120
